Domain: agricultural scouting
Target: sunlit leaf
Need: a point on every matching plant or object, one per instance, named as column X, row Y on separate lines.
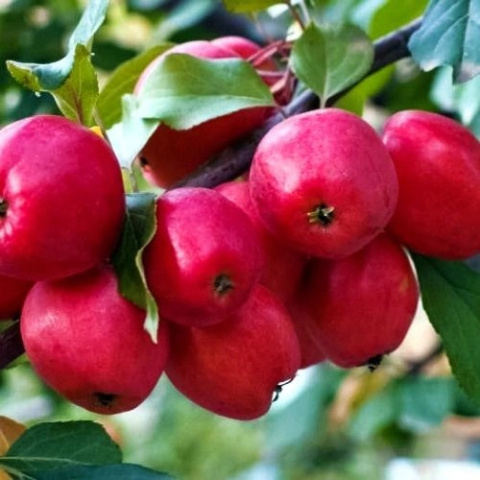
column 121, row 82
column 139, row 229
column 128, row 136
column 50, row 76
column 48, row 446
column 449, row 35
column 249, row 6
column 183, row 91
column 451, row 298
column 329, row 60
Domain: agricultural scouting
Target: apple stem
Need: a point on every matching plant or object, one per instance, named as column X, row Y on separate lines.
column 323, row 214
column 3, row 207
column 222, row 284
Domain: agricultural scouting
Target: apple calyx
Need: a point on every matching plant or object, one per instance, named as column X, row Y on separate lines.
column 323, row 214
column 3, row 207
column 105, row 399
column 222, row 284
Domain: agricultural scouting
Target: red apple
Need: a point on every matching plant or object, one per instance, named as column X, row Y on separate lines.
column 204, row 258
column 235, row 368
column 359, row 308
column 62, row 202
column 283, row 266
column 438, row 166
column 88, row 342
column 169, row 154
column 324, row 183
column 12, row 296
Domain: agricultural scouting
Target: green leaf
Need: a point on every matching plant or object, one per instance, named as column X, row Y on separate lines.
column 122, row 81
column 183, row 91
column 376, row 413
column 77, row 96
column 460, row 98
column 449, row 35
column 122, row 471
column 451, row 298
column 249, row 6
column 425, row 402
column 50, row 76
column 129, row 136
column 329, row 60
column 139, row 229
column 393, row 15
column 49, row 446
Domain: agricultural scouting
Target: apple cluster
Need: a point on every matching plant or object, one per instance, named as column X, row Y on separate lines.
column 299, row 261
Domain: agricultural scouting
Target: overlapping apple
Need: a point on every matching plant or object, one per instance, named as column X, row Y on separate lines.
column 301, row 261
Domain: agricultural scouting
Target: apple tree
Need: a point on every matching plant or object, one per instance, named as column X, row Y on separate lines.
column 228, row 209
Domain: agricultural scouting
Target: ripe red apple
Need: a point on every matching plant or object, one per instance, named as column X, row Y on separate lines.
column 324, row 183
column 234, row 368
column 88, row 342
column 12, row 296
column 169, row 154
column 62, row 202
column 358, row 308
column 438, row 166
column 204, row 258
column 311, row 352
column 283, row 266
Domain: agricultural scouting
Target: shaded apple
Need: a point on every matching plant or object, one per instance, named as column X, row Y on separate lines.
column 62, row 203
column 12, row 296
column 236, row 368
column 88, row 342
column 204, row 258
column 359, row 308
column 282, row 266
column 324, row 183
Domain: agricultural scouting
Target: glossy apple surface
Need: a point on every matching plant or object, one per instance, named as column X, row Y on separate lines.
column 204, row 258
column 62, row 202
column 438, row 167
column 88, row 343
column 359, row 308
column 324, row 183
column 234, row 368
column 282, row 266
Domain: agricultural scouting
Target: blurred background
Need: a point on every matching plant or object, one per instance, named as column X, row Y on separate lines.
column 408, row 420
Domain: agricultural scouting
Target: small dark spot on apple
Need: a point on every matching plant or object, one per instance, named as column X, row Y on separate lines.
column 143, row 161
column 222, row 284
column 105, row 399
column 323, row 214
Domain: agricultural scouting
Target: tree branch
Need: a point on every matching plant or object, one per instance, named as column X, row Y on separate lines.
column 236, row 159
column 11, row 345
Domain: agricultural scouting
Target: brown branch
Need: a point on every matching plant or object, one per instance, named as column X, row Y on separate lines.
column 236, row 159
column 11, row 345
